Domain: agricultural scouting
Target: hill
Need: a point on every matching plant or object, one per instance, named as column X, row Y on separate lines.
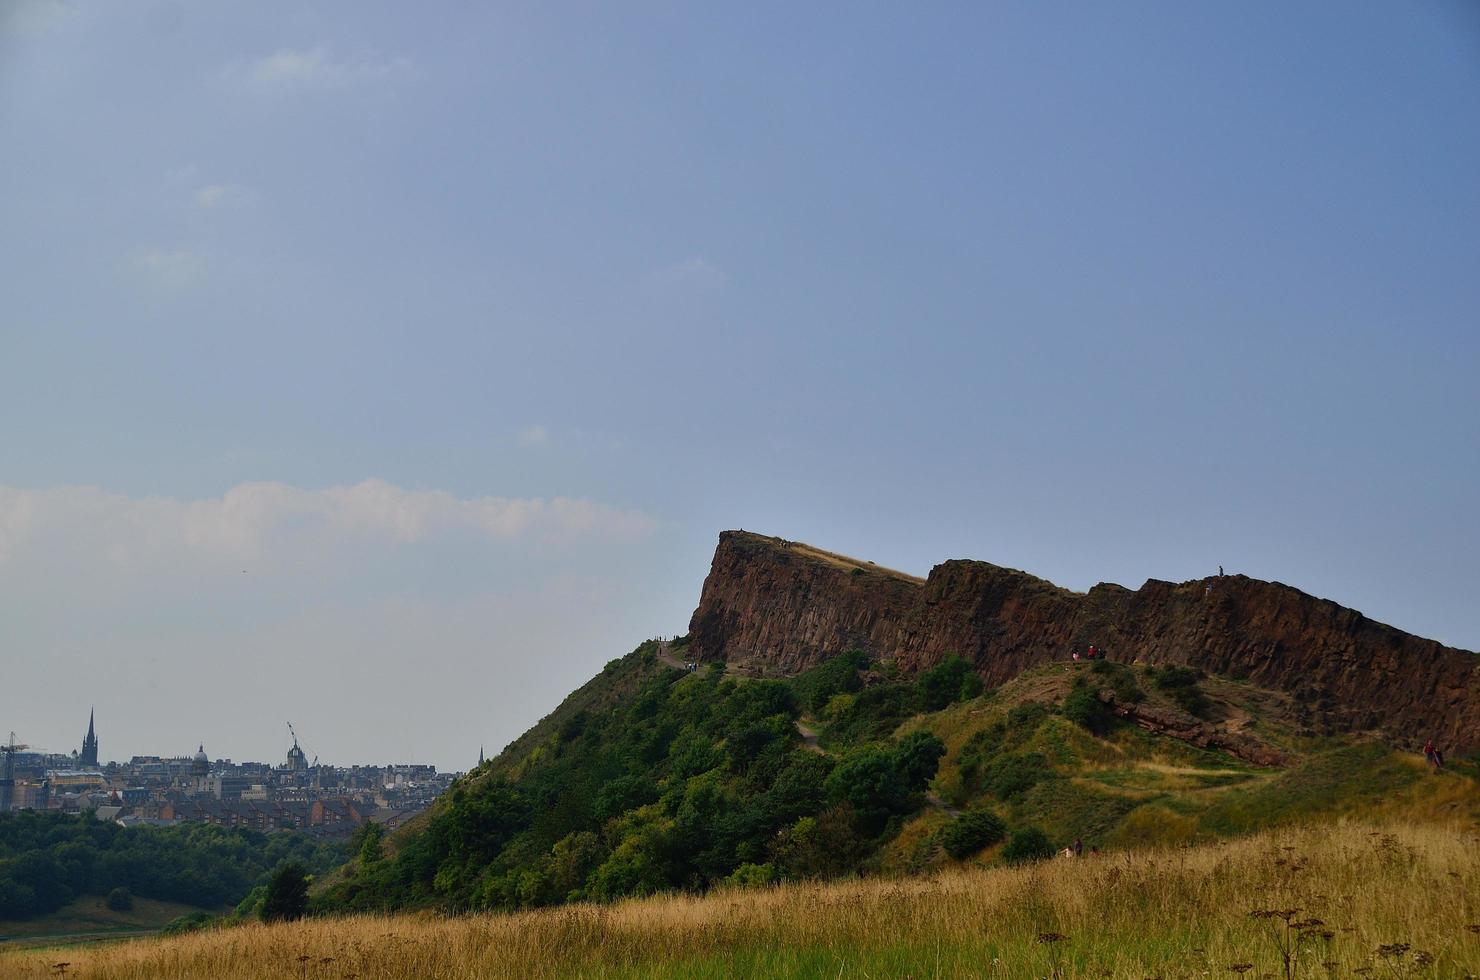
column 818, row 722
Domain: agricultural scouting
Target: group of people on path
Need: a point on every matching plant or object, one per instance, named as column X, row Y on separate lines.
column 1093, row 653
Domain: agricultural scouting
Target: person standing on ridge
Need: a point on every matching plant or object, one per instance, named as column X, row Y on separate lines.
column 1220, row 571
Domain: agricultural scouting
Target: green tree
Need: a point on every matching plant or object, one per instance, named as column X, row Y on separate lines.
column 947, row 681
column 1027, row 844
column 870, row 781
column 120, row 899
column 972, row 831
column 366, row 842
column 918, row 756
column 287, row 894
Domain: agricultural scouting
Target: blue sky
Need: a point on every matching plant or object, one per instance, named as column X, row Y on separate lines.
column 389, row 369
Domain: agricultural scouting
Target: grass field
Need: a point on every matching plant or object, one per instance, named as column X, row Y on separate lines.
column 1335, row 899
column 90, row 916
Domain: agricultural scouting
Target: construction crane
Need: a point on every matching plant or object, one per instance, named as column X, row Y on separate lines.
column 297, row 758
column 7, row 781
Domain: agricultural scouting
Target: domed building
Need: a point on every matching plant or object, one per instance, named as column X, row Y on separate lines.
column 200, row 772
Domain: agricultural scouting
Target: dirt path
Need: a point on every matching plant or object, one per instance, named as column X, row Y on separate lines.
column 809, row 739
column 942, row 806
column 667, row 657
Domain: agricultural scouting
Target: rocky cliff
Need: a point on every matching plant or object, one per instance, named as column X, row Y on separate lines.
column 788, row 606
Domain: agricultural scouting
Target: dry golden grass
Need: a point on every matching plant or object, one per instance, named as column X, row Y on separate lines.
column 1339, row 899
column 833, row 558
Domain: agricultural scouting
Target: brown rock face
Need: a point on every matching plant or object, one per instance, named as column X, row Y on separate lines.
column 789, row 606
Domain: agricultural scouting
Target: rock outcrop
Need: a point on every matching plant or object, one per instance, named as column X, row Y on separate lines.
column 787, row 606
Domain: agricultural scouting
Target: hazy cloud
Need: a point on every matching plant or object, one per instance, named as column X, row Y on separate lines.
column 534, row 435
column 215, row 618
column 275, row 520
column 288, row 67
column 169, row 269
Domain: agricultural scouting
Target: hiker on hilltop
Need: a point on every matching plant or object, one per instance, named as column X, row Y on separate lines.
column 1431, row 755
column 1220, row 571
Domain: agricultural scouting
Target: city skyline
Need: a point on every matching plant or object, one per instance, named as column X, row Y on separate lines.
column 102, row 759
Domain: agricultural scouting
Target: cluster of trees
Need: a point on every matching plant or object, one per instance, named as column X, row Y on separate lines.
column 48, row 859
column 856, row 713
column 683, row 781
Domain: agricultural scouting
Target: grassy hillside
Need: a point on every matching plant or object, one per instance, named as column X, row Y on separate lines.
column 651, row 778
column 1114, row 785
column 1341, row 899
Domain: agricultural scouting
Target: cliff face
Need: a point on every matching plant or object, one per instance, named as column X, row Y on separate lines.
column 789, row 606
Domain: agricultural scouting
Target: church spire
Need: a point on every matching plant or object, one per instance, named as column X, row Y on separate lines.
column 89, row 755
column 480, row 755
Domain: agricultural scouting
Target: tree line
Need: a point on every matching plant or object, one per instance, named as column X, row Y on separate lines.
column 48, row 859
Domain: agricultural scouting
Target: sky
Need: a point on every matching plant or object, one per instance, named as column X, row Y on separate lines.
column 387, row 369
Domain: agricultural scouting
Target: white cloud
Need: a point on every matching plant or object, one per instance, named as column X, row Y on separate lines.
column 287, row 68
column 534, row 435
column 276, row 522
column 169, row 269
column 694, row 272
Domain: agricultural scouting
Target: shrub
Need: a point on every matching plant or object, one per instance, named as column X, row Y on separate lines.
column 1026, row 844
column 947, row 681
column 972, row 831
column 1123, row 683
column 918, row 757
column 754, row 876
column 193, row 922
column 1013, row 776
column 120, row 899
column 1180, row 684
column 833, row 677
column 287, row 894
column 1023, row 721
column 1084, row 708
column 873, row 713
column 622, row 794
